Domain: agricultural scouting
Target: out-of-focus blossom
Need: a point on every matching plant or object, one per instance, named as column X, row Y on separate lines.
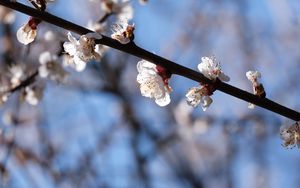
column 7, row 16
column 82, row 50
column 123, row 32
column 198, row 95
column 290, row 135
column 96, row 26
column 50, row 68
column 258, row 88
column 16, row 75
column 211, row 69
column 143, row 2
column 3, row 98
column 49, row 36
column 152, row 83
column 121, row 8
column 27, row 33
column 33, row 94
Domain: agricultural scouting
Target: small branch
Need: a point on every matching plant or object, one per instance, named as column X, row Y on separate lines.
column 105, row 17
column 133, row 49
column 24, row 83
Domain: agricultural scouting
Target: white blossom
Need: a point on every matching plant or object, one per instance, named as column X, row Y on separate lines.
column 198, row 96
column 123, row 32
column 143, row 2
column 33, row 95
column 49, row 36
column 49, row 68
column 253, row 76
column 6, row 15
column 82, row 50
column 4, row 98
column 211, row 69
column 121, row 8
column 290, row 135
column 96, row 26
column 16, row 75
column 26, row 34
column 257, row 87
column 152, row 84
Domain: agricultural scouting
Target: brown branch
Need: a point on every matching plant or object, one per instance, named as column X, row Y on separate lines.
column 29, row 80
column 105, row 17
column 133, row 49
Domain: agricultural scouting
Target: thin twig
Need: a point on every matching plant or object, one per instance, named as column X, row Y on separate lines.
column 29, row 80
column 105, row 17
column 133, row 49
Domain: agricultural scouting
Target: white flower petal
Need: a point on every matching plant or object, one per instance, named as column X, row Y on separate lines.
column 164, row 101
column 206, row 102
column 45, row 57
column 26, row 35
column 43, row 71
column 211, row 69
column 79, row 64
column 69, row 48
column 152, row 84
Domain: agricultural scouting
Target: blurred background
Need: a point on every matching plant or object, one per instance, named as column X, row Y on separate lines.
column 96, row 130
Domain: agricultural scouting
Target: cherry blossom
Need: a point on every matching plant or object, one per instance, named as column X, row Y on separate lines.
column 27, row 33
column 16, row 74
column 33, row 94
column 198, row 95
column 49, row 36
column 49, row 68
column 121, row 8
column 6, row 15
column 143, row 2
column 290, row 135
column 123, row 32
column 211, row 69
column 83, row 50
column 153, row 84
column 96, row 26
column 258, row 88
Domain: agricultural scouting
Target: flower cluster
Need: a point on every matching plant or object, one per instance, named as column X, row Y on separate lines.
column 153, row 82
column 49, row 68
column 33, row 94
column 16, row 74
column 121, row 8
column 199, row 95
column 83, row 50
column 258, row 88
column 123, row 32
column 290, row 135
column 211, row 69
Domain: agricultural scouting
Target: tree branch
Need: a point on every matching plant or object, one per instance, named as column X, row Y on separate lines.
column 133, row 49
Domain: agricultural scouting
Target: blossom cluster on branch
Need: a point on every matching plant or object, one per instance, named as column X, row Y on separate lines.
column 153, row 77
